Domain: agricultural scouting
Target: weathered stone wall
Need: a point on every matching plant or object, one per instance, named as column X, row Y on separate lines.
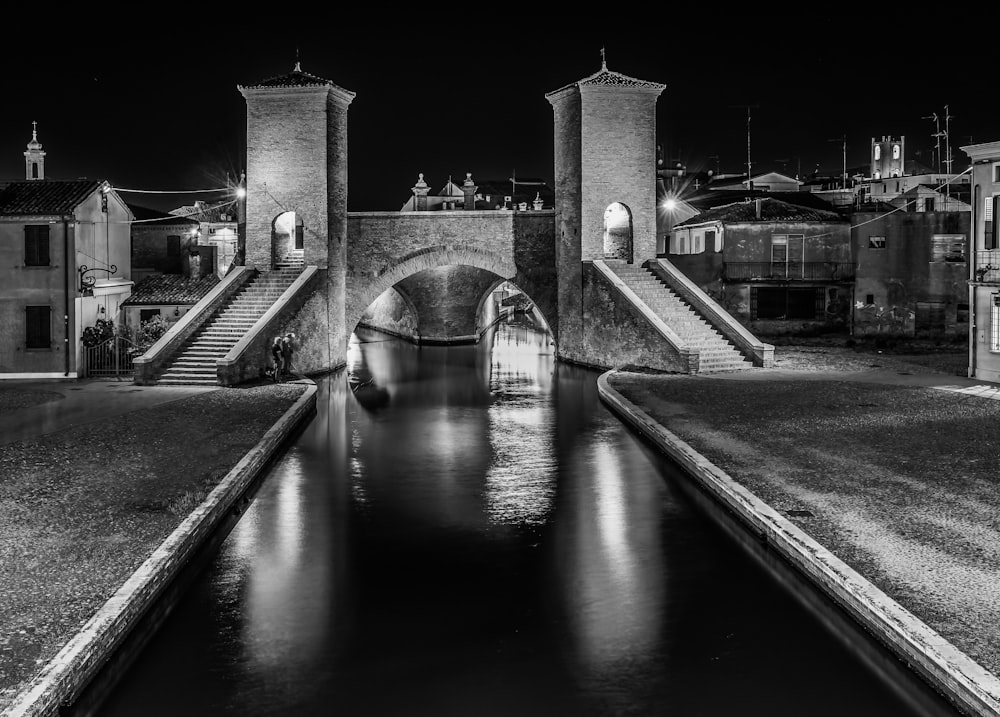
column 566, row 129
column 904, row 272
column 392, row 313
column 288, row 168
column 615, row 334
column 618, row 135
column 309, row 324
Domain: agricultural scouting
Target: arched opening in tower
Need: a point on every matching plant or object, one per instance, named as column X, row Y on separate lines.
column 618, row 232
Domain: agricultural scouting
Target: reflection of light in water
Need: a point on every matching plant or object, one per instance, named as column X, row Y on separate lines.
column 520, row 484
column 274, row 635
column 617, row 597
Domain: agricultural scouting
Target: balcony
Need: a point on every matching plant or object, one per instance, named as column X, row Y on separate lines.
column 988, row 266
column 788, row 271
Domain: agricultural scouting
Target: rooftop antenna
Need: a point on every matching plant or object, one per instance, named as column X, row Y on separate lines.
column 947, row 142
column 843, row 141
column 937, row 136
column 749, row 165
column 604, row 62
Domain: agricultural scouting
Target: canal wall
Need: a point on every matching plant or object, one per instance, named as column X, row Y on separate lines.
column 65, row 676
column 970, row 687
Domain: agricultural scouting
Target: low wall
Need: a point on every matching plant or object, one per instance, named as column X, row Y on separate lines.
column 68, row 673
column 973, row 689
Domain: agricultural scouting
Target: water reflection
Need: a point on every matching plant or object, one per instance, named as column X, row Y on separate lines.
column 488, row 539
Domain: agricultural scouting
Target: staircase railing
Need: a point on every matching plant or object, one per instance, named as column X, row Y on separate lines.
column 247, row 360
column 151, row 363
column 760, row 353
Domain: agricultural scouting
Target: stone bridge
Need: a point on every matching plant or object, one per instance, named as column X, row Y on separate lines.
column 442, row 263
column 386, row 249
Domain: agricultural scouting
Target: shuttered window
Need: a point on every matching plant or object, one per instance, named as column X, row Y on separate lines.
column 948, row 247
column 38, row 327
column 36, row 245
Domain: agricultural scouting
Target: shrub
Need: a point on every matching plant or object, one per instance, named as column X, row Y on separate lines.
column 102, row 330
column 150, row 332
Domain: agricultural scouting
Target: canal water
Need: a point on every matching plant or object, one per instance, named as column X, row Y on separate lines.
column 469, row 531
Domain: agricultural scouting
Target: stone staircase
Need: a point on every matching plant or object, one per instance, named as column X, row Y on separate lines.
column 716, row 352
column 195, row 361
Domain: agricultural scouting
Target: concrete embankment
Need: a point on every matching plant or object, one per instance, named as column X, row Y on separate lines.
column 971, row 688
column 63, row 678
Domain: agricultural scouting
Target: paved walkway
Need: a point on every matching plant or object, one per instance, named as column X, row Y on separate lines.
column 81, row 401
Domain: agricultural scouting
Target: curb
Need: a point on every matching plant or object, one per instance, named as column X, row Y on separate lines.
column 970, row 687
column 82, row 657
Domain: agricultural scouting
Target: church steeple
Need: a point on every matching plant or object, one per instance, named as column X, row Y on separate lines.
column 34, row 158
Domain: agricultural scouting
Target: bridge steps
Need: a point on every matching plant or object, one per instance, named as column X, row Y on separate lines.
column 195, row 362
column 716, row 352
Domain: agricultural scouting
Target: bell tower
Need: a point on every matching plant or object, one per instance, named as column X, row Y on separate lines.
column 34, row 158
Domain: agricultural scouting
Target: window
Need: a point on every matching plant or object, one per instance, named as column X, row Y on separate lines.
column 38, row 327
column 711, row 241
column 876, row 242
column 948, row 247
column 146, row 314
column 989, row 209
column 878, row 152
column 787, row 249
column 870, row 299
column 996, row 172
column 36, row 245
column 34, row 170
column 173, row 245
column 895, row 151
column 928, row 204
column 995, row 324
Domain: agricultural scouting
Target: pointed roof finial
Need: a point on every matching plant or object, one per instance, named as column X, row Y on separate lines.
column 604, row 62
column 298, row 66
column 34, row 131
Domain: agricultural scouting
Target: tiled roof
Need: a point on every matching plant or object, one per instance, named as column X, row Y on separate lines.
column 296, row 78
column 45, row 196
column 609, row 78
column 771, row 210
column 170, row 289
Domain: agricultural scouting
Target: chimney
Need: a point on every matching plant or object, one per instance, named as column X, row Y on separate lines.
column 420, row 191
column 469, row 190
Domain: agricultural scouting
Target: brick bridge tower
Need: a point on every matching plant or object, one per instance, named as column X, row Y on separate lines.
column 297, row 177
column 605, row 183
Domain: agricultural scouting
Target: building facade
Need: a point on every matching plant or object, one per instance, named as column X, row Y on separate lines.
column 65, row 261
column 984, row 267
column 777, row 267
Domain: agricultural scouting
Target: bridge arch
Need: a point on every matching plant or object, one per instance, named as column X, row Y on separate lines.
column 366, row 289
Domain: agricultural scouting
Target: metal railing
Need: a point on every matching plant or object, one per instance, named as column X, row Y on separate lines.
column 788, row 271
column 111, row 358
column 988, row 266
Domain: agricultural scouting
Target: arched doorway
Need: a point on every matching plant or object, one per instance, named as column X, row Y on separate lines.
column 287, row 235
column 618, row 232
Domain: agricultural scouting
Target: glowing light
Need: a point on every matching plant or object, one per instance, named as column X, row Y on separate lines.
column 241, row 192
column 670, row 205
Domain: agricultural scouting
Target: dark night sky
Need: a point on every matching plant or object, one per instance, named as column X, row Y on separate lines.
column 155, row 106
